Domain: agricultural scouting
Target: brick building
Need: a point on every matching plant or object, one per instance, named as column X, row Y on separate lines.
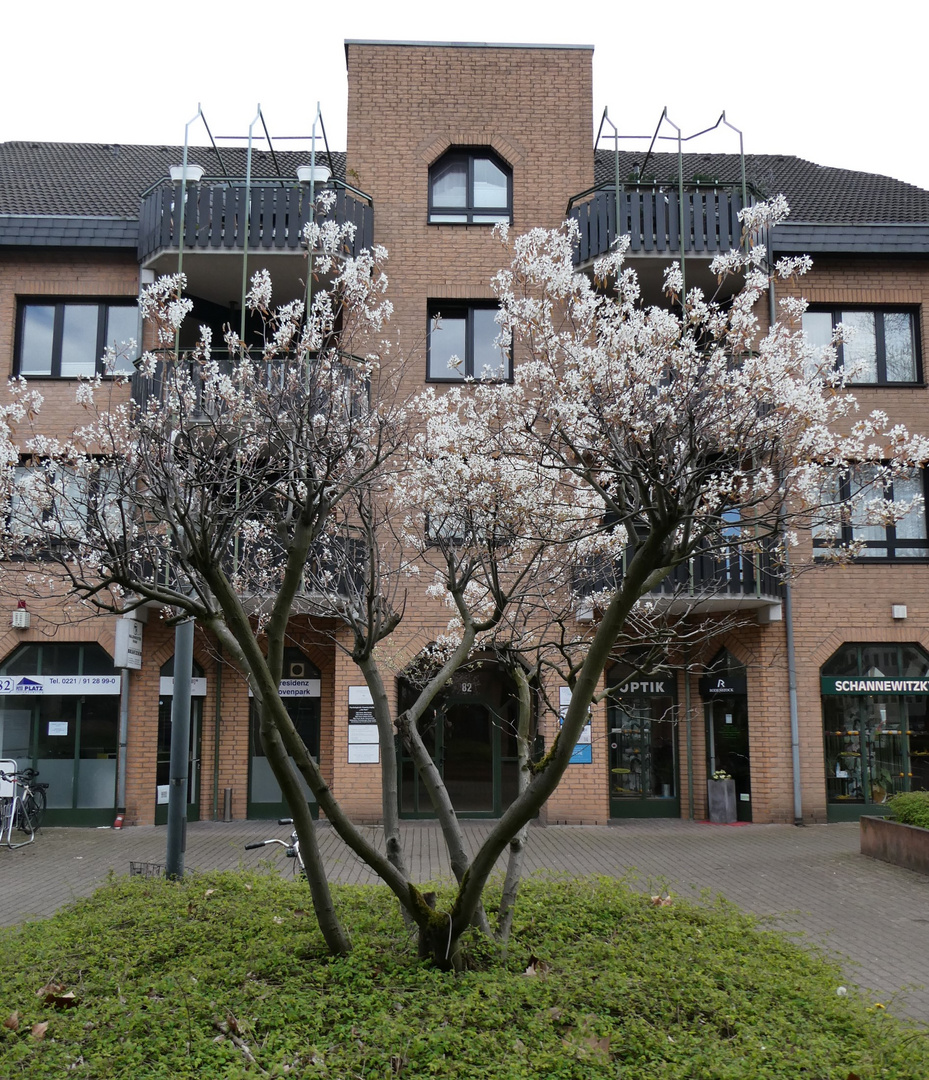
column 444, row 141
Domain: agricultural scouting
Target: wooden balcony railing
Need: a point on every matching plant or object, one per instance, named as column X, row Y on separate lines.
column 650, row 215
column 221, row 213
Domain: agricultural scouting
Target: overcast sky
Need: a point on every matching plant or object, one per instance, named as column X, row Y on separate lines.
column 806, row 77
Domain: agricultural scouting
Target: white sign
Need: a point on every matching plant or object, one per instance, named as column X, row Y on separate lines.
column 128, row 650
column 296, row 688
column 362, row 733
column 166, row 687
column 58, row 727
column 64, row 685
column 363, row 754
column 161, row 794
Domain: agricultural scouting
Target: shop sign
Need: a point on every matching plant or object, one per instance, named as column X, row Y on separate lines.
column 128, row 649
column 723, row 686
column 64, row 685
column 296, row 688
column 660, row 687
column 837, row 685
column 363, row 738
column 197, row 686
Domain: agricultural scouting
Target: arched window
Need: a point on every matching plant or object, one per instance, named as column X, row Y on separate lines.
column 470, row 186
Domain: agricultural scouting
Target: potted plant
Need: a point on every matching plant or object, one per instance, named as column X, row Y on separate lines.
column 720, row 793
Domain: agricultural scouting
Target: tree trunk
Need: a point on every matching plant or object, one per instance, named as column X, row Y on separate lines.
column 334, row 935
column 514, row 862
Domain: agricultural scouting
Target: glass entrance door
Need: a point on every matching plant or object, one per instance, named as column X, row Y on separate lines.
column 264, row 793
column 163, row 760
column 727, row 747
column 643, row 772
column 475, row 750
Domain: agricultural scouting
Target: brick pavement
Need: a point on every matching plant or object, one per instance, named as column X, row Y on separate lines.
column 810, row 882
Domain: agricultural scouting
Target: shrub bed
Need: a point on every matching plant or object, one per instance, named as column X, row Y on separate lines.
column 226, row 976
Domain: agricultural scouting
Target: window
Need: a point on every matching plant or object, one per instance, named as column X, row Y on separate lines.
column 49, row 502
column 470, row 186
column 883, row 349
column 462, row 343
column 66, row 339
column 906, row 539
column 875, row 723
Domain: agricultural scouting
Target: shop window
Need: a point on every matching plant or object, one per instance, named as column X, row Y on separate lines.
column 463, row 343
column 904, row 539
column 68, row 338
column 642, row 759
column 59, row 714
column 470, row 187
column 875, row 731
column 882, row 350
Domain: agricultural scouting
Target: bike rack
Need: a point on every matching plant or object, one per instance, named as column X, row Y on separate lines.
column 9, row 799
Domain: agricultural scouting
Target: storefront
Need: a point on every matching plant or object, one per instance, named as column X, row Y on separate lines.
column 724, row 690
column 163, row 761
column 875, row 734
column 300, row 691
column 59, row 714
column 642, row 719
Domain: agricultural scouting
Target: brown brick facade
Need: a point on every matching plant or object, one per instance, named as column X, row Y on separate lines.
column 408, row 104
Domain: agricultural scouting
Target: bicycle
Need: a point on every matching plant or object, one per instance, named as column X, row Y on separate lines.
column 22, row 803
column 291, row 848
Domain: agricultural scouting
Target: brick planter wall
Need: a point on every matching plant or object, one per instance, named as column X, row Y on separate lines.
column 893, row 842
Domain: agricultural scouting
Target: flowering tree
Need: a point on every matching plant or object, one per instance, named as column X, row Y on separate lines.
column 631, row 440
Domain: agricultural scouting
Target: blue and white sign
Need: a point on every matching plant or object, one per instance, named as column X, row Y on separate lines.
column 582, row 754
column 64, row 685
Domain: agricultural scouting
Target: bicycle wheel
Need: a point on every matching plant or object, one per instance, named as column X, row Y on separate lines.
column 27, row 814
column 35, row 800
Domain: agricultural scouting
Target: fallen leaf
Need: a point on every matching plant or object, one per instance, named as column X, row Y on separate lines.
column 662, row 900
column 38, row 1030
column 209, row 892
column 536, row 967
column 12, row 1021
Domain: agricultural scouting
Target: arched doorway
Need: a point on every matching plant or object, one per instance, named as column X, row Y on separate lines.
column 300, row 691
column 163, row 759
column 470, row 731
column 724, row 690
column 59, row 714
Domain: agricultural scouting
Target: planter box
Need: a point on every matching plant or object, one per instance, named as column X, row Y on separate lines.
column 720, row 795
column 893, row 842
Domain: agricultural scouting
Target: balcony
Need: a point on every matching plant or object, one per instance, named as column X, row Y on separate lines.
column 650, row 215
column 226, row 216
column 737, row 580
column 146, row 387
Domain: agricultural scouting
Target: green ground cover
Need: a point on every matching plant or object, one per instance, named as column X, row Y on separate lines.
column 225, row 976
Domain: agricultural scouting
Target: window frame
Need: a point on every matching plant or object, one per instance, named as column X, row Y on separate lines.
column 884, row 549
column 104, row 305
column 879, row 311
column 452, row 309
column 439, row 215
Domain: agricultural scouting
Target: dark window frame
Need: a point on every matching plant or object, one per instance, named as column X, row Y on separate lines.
column 879, row 311
column 451, row 309
column 103, row 304
column 445, row 215
column 886, row 548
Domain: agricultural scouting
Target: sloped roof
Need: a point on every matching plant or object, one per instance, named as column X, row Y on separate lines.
column 100, row 179
column 816, row 193
column 106, row 180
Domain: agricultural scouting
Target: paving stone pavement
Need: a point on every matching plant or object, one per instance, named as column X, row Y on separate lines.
column 810, row 882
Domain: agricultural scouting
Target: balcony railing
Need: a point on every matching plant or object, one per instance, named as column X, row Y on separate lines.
column 736, row 575
column 650, row 214
column 221, row 214
column 145, row 387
